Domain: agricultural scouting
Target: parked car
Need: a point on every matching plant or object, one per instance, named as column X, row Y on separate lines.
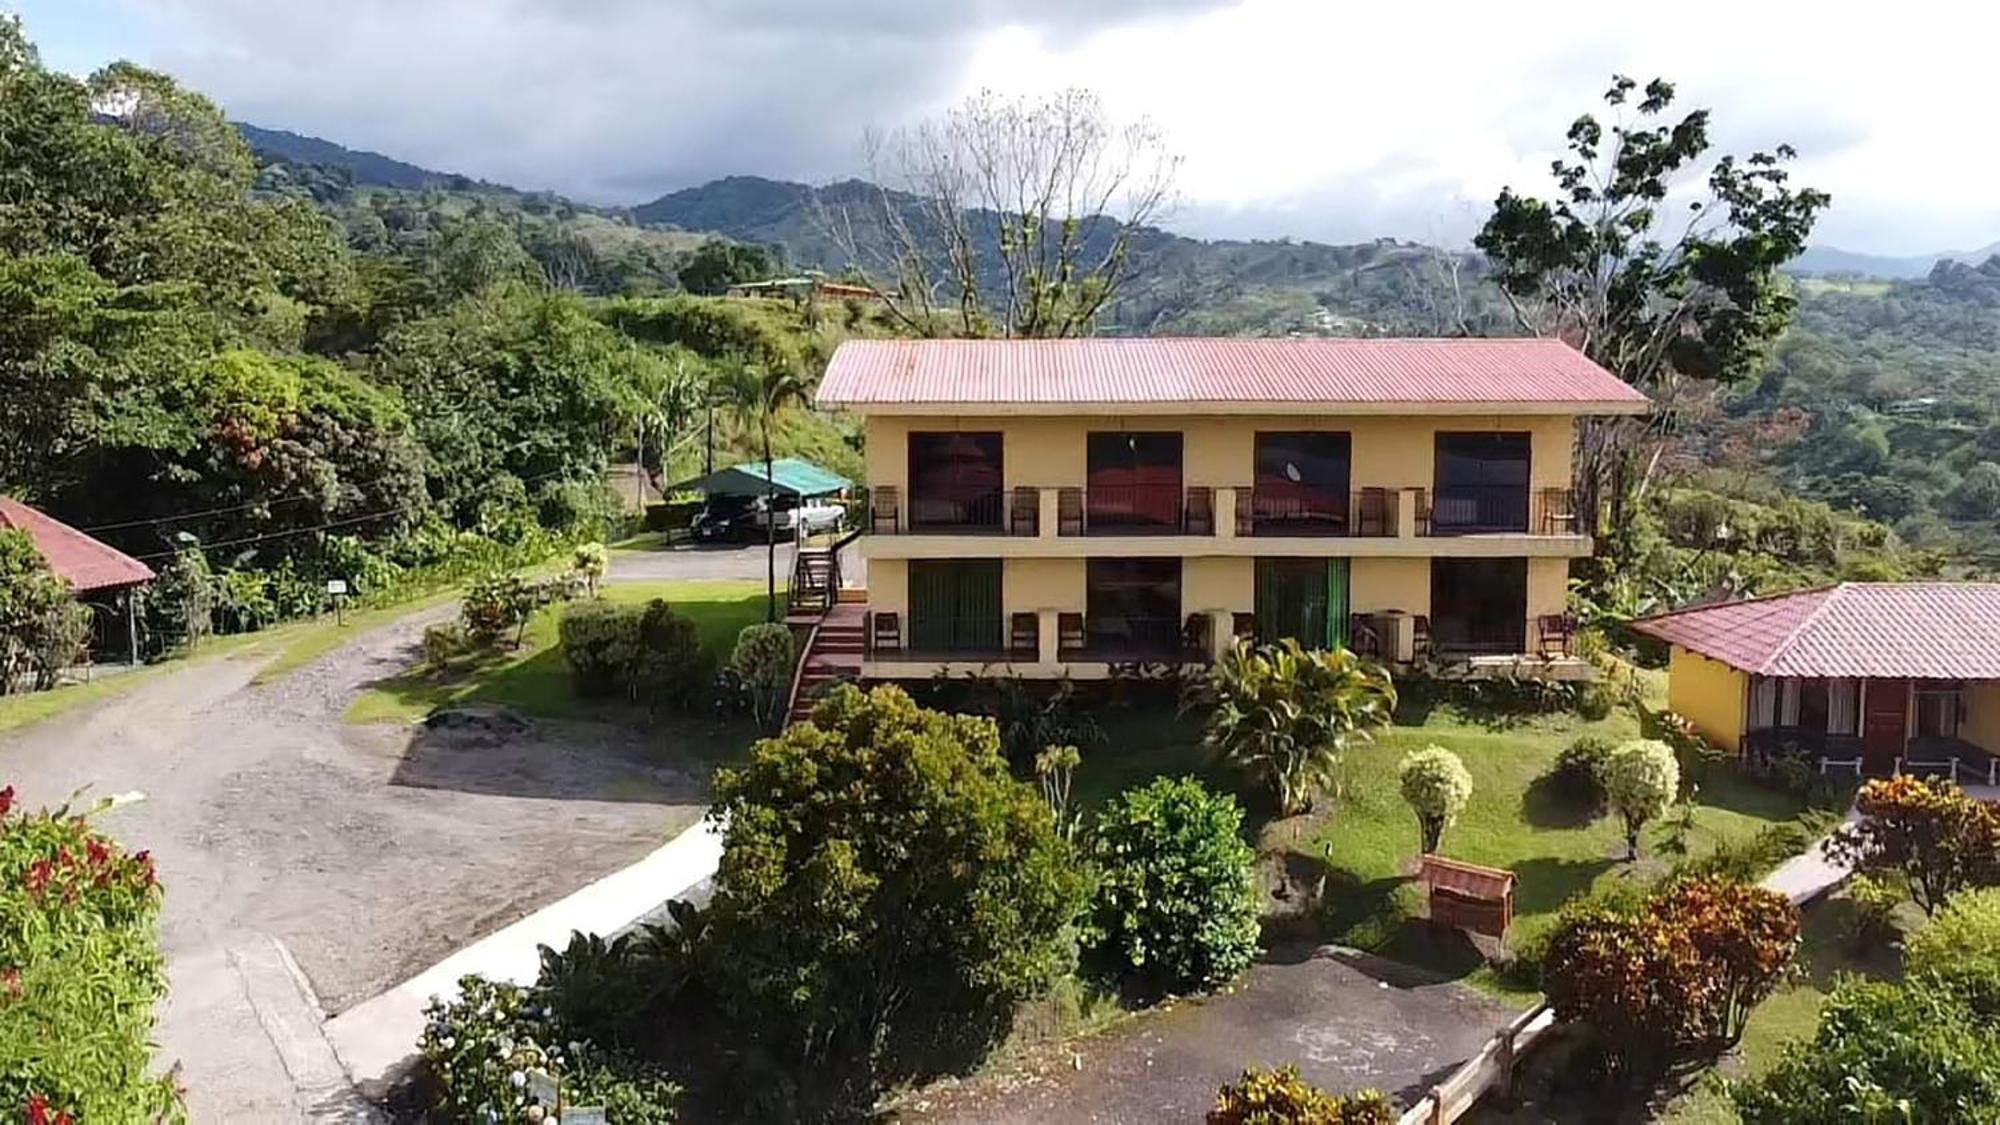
column 743, row 518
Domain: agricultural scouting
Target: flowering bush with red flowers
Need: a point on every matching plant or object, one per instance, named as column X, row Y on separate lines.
column 80, row 973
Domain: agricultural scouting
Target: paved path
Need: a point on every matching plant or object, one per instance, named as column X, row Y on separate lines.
column 1347, row 1020
column 730, row 560
column 362, row 852
column 1810, row 874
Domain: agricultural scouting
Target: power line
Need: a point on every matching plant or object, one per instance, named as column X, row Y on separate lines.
column 248, row 539
column 176, row 518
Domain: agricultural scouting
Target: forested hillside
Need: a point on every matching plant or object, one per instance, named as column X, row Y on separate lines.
column 257, row 378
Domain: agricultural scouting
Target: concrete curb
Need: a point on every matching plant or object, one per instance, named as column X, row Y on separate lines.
column 376, row 1039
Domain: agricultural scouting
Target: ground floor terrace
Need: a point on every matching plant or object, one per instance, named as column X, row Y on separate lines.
column 1864, row 724
column 1089, row 617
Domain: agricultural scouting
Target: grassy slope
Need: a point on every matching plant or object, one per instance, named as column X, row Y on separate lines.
column 532, row 678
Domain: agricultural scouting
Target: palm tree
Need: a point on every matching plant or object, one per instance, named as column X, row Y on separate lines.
column 756, row 394
column 1287, row 714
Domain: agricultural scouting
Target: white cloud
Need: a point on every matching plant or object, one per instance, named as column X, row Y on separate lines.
column 1305, row 117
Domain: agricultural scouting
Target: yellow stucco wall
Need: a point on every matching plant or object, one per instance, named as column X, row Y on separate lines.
column 1709, row 694
column 1548, row 588
column 1219, row 451
column 1379, row 585
column 1027, row 585
column 1982, row 715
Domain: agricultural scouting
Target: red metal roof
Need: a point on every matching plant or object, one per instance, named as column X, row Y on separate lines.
column 1930, row 630
column 87, row 563
column 1127, row 371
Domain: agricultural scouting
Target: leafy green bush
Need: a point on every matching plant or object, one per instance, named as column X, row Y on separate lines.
column 1965, row 931
column 495, row 605
column 600, row 644
column 444, row 643
column 1641, row 778
column 673, row 670
column 479, row 1049
column 1925, row 1050
column 1437, row 785
column 1287, row 714
column 1176, row 906
column 1595, row 700
column 1280, row 1097
column 1874, row 898
column 590, row 562
column 1577, row 774
column 763, row 660
column 911, row 866
column 80, row 971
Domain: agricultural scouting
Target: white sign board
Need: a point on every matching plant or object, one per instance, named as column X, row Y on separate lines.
column 336, row 585
column 585, row 1115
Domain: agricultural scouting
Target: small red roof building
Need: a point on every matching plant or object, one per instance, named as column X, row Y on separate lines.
column 88, row 564
column 1924, row 630
column 1163, row 374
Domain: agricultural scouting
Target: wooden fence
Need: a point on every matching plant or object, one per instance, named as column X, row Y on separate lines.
column 1491, row 1071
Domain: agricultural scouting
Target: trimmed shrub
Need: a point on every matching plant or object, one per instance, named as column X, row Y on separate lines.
column 80, row 973
column 479, row 1048
column 1966, row 932
column 1595, row 700
column 763, row 661
column 1176, row 908
column 1437, row 785
column 600, row 644
column 590, row 562
column 1264, row 1096
column 672, row 670
column 1641, row 778
column 1577, row 775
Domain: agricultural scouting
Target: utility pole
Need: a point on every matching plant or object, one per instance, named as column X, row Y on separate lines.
column 708, row 459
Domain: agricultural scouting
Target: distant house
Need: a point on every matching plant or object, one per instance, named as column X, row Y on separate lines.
column 1052, row 508
column 802, row 287
column 1874, row 676
column 95, row 570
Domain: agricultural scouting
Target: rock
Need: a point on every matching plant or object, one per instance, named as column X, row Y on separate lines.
column 478, row 723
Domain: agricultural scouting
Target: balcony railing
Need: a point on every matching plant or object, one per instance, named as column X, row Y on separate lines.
column 1502, row 509
column 1279, row 510
column 1135, row 509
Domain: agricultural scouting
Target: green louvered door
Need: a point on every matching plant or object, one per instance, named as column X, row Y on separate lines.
column 1304, row 599
column 955, row 606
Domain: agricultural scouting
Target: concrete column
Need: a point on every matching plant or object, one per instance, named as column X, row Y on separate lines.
column 1221, row 633
column 1406, row 513
column 1045, row 499
column 1225, row 513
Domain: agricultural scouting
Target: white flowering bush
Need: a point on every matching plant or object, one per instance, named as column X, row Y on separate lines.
column 481, row 1048
column 1437, row 785
column 1641, row 778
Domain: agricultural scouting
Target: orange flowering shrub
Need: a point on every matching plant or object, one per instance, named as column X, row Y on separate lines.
column 1940, row 840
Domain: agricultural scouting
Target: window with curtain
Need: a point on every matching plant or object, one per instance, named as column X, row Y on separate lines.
column 1763, row 703
column 1940, row 707
column 1843, row 707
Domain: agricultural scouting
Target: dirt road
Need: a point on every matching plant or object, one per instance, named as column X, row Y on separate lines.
column 365, row 852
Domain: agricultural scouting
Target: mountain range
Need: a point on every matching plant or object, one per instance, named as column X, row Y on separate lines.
column 781, row 213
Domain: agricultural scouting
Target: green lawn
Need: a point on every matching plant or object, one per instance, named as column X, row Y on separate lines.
column 532, row 678
column 1363, row 844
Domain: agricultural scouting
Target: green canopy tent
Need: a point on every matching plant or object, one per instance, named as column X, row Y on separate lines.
column 789, row 475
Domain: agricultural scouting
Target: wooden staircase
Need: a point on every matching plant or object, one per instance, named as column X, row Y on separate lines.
column 833, row 652
column 815, row 581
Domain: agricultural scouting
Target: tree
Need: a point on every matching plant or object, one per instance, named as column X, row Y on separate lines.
column 1641, row 778
column 1925, row 1050
column 1287, row 714
column 887, row 895
column 1019, row 216
column 1670, row 307
column 718, row 264
column 1437, row 786
column 757, row 395
column 41, row 628
column 763, row 659
column 1940, row 840
column 1176, row 904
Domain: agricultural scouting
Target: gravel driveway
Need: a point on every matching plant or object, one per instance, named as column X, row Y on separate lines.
column 368, row 853
column 724, row 560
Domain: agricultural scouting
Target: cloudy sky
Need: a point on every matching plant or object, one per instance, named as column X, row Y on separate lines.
column 1314, row 118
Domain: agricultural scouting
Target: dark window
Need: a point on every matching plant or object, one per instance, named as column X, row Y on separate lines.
column 1940, row 706
column 1302, row 484
column 1135, row 483
column 1133, row 608
column 1482, row 483
column 1479, row 606
column 955, row 606
column 1812, row 706
column 955, row 481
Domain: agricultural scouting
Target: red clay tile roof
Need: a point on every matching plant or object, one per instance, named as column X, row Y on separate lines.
column 1137, row 371
column 1930, row 630
column 88, row 564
